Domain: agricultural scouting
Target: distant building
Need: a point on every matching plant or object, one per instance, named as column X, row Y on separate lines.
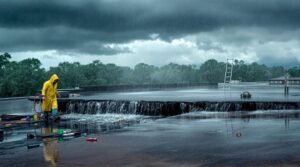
column 281, row 81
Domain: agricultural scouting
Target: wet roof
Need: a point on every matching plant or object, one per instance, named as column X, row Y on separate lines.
column 259, row 91
column 283, row 78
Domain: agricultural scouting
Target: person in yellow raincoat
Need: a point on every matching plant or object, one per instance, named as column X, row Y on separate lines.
column 49, row 94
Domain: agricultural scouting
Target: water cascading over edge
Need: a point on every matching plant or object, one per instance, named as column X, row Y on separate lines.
column 156, row 108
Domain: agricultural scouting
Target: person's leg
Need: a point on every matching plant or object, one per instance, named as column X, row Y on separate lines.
column 54, row 109
column 54, row 113
column 46, row 116
column 46, row 108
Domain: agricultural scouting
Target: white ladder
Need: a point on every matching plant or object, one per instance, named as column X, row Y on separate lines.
column 228, row 73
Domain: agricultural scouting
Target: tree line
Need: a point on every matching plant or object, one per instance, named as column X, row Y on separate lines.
column 26, row 77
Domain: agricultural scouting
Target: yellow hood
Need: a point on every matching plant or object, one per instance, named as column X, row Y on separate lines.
column 53, row 78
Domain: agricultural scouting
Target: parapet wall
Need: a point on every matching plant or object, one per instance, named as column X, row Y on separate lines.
column 114, row 88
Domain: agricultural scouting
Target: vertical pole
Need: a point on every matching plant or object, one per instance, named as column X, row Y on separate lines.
column 286, row 85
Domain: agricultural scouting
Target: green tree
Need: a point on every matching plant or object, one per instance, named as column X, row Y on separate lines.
column 142, row 73
column 112, row 74
column 212, row 71
column 294, row 72
column 29, row 77
column 26, row 77
column 92, row 73
column 277, row 71
column 128, row 76
column 174, row 73
column 4, row 60
column 22, row 78
column 70, row 74
column 257, row 72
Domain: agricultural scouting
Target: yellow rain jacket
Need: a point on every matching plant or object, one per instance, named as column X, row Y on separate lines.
column 50, row 92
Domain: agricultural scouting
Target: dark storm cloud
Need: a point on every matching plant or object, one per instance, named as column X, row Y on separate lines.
column 60, row 38
column 279, row 61
column 79, row 25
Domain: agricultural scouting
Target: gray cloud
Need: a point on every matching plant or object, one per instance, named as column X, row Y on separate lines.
column 207, row 46
column 62, row 39
column 163, row 16
column 279, row 61
column 86, row 26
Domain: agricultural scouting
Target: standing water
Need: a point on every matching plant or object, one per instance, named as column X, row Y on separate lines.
column 198, row 137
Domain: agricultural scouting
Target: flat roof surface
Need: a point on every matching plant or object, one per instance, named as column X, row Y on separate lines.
column 259, row 91
column 283, row 78
column 192, row 139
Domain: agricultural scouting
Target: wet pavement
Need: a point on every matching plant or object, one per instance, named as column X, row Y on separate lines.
column 257, row 138
column 16, row 107
column 260, row 138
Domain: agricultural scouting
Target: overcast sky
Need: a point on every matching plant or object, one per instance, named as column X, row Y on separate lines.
column 157, row 32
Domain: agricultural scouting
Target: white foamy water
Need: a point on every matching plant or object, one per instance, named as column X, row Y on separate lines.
column 103, row 118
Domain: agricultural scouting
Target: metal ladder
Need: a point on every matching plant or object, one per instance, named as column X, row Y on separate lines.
column 228, row 73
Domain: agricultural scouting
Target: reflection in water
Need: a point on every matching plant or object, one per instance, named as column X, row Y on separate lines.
column 236, row 122
column 50, row 150
column 235, row 129
column 287, row 122
column 1, row 135
column 250, row 135
column 23, row 135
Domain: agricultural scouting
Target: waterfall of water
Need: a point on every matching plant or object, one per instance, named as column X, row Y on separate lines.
column 171, row 108
column 128, row 107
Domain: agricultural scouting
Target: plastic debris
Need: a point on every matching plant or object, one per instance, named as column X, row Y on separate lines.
column 12, row 117
column 35, row 126
column 73, row 133
column 60, row 131
column 31, row 146
column 8, row 125
column 49, row 135
column 35, row 117
column 59, row 134
column 91, row 139
column 30, row 136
